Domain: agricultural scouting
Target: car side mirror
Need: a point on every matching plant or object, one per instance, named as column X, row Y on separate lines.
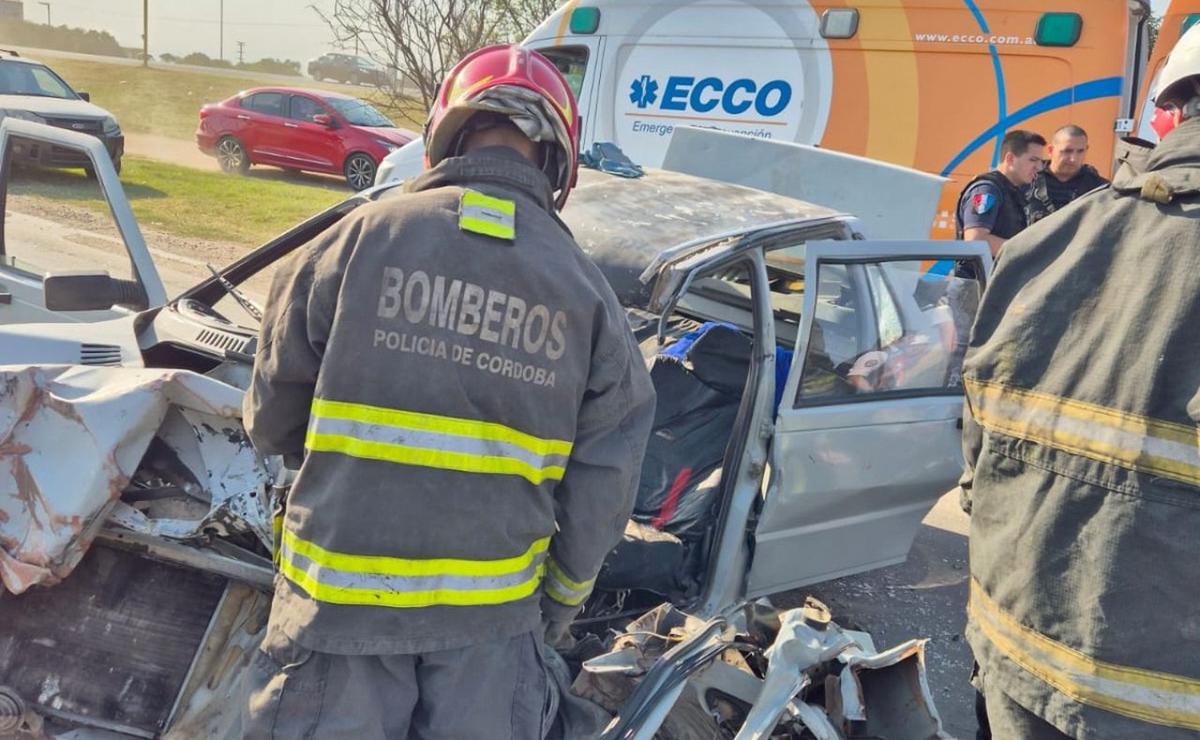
column 91, row 291
column 324, row 119
column 86, row 97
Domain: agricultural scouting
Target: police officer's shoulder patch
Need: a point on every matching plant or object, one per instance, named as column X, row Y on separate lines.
column 483, row 214
column 981, row 203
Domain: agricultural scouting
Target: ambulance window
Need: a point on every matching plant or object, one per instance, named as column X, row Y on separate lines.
column 839, row 23
column 571, row 61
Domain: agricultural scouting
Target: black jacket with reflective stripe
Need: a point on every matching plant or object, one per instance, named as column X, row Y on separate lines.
column 1083, row 378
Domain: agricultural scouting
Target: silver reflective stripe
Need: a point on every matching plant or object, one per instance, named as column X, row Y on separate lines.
column 489, row 214
column 376, row 582
column 391, row 435
column 1150, row 696
column 1105, row 436
column 564, row 590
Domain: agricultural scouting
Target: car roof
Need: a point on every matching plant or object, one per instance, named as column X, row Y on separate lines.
column 327, row 94
column 6, row 57
column 625, row 224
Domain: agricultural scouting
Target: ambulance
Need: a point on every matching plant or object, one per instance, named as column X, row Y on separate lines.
column 927, row 84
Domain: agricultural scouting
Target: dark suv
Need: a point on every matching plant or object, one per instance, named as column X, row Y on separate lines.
column 32, row 91
column 347, row 68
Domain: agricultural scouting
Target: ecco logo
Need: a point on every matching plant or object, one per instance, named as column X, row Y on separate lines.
column 710, row 93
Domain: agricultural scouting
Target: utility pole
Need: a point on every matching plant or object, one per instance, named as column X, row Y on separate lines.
column 48, row 23
column 241, row 52
column 145, row 33
column 222, row 27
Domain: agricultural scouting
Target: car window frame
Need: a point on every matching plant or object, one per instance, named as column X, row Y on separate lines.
column 56, row 76
column 242, row 103
column 799, row 401
column 321, row 107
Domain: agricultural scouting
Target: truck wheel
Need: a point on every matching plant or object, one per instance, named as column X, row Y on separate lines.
column 360, row 171
column 231, row 155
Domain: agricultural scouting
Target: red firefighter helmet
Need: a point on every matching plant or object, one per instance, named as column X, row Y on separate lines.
column 514, row 82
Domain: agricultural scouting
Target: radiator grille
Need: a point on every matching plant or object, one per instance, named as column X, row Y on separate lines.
column 99, row 354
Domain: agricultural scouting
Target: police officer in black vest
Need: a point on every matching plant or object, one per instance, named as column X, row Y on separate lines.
column 1067, row 177
column 992, row 206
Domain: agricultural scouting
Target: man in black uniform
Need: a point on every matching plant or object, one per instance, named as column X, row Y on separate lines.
column 1067, row 177
column 992, row 206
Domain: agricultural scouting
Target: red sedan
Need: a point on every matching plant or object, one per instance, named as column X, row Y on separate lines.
column 308, row 130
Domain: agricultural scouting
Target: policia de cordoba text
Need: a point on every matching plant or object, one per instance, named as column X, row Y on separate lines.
column 471, row 311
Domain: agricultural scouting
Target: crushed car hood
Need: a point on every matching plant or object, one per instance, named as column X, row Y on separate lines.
column 108, row 418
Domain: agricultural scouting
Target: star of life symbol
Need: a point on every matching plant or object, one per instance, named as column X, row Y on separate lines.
column 643, row 91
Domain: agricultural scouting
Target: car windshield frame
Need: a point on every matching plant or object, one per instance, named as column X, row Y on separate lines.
column 350, row 108
column 32, row 65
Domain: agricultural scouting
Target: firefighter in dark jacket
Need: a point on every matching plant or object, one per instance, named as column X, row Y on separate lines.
column 1083, row 391
column 471, row 410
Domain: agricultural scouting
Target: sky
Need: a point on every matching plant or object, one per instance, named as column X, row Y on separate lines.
column 287, row 29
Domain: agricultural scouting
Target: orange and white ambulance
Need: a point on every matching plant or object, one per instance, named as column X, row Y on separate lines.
column 928, row 84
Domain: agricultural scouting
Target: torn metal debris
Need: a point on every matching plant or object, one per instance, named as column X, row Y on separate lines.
column 758, row 674
column 158, row 452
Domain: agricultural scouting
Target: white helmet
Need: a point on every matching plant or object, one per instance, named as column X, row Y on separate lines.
column 1183, row 62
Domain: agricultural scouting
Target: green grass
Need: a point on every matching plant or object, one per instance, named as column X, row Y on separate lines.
column 187, row 202
column 166, row 101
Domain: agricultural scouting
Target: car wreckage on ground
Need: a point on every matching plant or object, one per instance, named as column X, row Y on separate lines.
column 807, row 420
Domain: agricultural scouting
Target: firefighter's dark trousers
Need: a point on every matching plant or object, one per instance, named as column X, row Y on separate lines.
column 495, row 690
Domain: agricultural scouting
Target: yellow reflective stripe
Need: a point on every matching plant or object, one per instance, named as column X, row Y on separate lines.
column 406, row 567
column 1133, row 423
column 418, row 422
column 487, row 228
column 486, row 215
column 411, row 599
column 476, row 199
column 440, row 459
column 1148, row 696
column 1127, row 440
column 562, row 589
column 276, row 536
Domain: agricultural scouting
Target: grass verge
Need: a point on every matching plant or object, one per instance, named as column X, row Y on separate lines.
column 188, row 202
column 167, row 102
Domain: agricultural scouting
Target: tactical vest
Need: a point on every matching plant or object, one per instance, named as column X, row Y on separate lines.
column 1041, row 201
column 1011, row 219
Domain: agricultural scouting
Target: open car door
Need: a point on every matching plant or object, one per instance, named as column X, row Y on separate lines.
column 52, row 272
column 867, row 433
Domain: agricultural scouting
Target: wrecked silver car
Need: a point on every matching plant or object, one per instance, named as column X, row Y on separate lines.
column 807, row 420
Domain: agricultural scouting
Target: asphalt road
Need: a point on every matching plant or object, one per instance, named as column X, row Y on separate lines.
column 925, row 597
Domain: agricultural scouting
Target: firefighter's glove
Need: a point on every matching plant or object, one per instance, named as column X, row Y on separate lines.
column 558, row 635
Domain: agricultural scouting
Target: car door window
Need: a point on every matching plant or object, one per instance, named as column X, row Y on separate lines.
column 303, row 109
column 40, row 239
column 888, row 327
column 270, row 104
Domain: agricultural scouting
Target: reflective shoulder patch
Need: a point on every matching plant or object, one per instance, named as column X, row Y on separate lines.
column 483, row 214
